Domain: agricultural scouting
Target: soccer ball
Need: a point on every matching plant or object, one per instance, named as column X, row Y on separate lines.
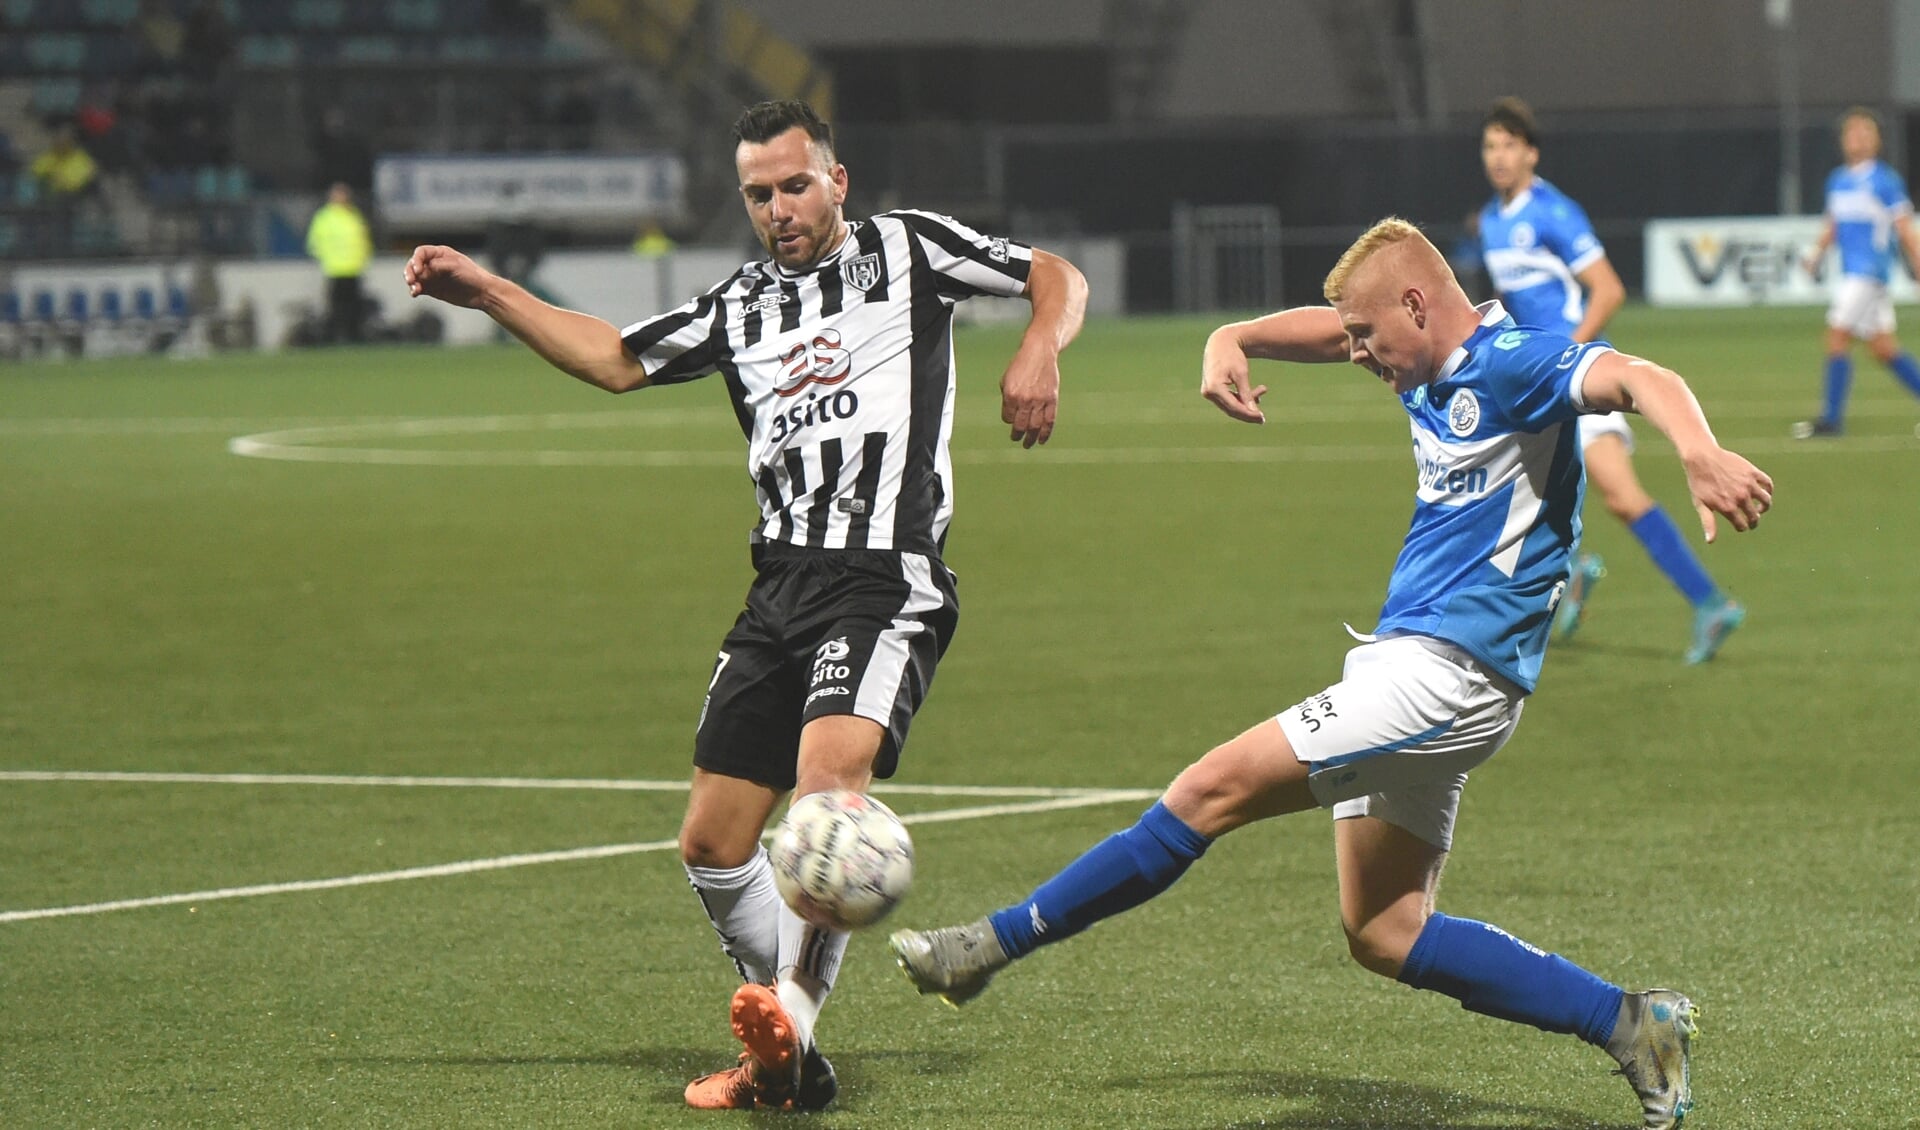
column 841, row 859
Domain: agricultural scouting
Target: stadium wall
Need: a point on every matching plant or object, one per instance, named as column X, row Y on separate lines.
column 266, row 302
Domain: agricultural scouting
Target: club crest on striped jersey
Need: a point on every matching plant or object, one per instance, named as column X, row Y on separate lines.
column 861, row 272
column 1463, row 412
column 818, row 359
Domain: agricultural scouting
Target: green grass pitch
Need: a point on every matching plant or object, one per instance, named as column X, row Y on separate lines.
column 530, row 579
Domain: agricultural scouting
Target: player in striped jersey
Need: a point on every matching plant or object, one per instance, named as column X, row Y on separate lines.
column 837, row 354
column 1438, row 687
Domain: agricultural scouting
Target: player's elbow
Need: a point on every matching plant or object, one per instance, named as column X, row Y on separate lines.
column 621, row 374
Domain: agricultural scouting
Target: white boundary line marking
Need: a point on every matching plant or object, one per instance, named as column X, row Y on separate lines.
column 316, row 444
column 533, row 859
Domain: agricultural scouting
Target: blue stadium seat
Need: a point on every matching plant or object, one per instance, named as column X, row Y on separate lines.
column 370, row 49
column 269, row 50
column 109, row 13
column 9, row 308
column 54, row 97
column 110, row 307
column 414, row 15
column 19, row 13
column 143, row 304
column 319, row 15
column 78, row 308
column 43, row 307
column 177, row 302
column 56, row 52
column 236, row 184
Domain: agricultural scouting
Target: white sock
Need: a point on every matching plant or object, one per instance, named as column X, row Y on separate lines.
column 745, row 908
column 809, row 963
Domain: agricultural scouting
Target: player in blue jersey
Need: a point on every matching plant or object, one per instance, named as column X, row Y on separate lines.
column 1550, row 270
column 1867, row 207
column 1439, row 685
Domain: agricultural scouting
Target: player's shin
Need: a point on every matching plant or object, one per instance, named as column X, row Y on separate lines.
column 743, row 906
column 808, row 965
column 1490, row 971
column 1121, row 872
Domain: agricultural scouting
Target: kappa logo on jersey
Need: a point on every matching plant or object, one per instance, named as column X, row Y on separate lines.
column 817, row 360
column 861, row 273
column 1463, row 412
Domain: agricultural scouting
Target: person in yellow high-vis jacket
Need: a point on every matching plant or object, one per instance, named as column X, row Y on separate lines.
column 339, row 239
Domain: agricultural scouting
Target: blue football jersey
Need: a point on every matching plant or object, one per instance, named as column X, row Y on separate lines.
column 1497, row 508
column 1863, row 201
column 1534, row 246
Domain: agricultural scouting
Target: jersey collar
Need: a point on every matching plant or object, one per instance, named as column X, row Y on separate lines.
column 1491, row 314
column 1521, row 199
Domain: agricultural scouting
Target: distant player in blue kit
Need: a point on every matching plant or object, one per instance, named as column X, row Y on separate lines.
column 1551, row 271
column 1439, row 685
column 1867, row 206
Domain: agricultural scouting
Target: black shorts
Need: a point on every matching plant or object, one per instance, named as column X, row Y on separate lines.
column 825, row 631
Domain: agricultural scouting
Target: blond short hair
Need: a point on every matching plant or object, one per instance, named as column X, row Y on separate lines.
column 1386, row 233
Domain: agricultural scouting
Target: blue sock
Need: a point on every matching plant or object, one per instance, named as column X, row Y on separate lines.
column 1119, row 873
column 1491, row 972
column 1670, row 551
column 1908, row 371
column 1839, row 377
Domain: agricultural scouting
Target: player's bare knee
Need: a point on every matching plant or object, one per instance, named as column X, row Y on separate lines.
column 699, row 848
column 1377, row 950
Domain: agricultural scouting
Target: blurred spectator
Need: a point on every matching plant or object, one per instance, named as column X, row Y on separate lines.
column 652, row 243
column 158, row 37
column 97, row 119
column 65, row 171
column 339, row 239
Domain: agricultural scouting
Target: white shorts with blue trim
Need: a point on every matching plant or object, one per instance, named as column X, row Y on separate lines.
column 1862, row 307
column 1397, row 735
column 1592, row 427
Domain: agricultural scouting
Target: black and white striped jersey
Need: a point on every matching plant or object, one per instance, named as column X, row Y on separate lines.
column 842, row 376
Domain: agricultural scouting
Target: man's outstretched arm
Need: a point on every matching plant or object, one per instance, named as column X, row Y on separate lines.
column 1721, row 481
column 1311, row 334
column 577, row 344
column 1030, row 388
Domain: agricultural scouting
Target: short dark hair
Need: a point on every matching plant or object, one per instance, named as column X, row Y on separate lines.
column 1514, row 116
column 762, row 123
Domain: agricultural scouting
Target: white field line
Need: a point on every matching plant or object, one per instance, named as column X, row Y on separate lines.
column 504, row 862
column 603, row 784
column 324, row 444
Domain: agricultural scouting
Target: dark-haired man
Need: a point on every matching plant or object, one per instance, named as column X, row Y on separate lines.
column 1551, row 271
column 837, row 354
